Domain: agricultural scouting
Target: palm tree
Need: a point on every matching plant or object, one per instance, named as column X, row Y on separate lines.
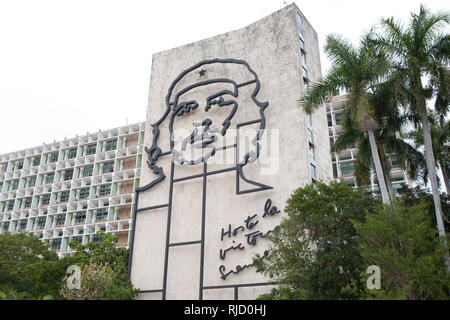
column 416, row 52
column 355, row 70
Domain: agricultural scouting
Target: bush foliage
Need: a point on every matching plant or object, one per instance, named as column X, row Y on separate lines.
column 333, row 233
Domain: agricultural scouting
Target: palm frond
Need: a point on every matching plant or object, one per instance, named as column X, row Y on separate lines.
column 318, row 91
column 340, row 51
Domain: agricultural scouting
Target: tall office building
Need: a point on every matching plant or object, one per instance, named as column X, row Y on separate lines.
column 344, row 161
column 227, row 145
column 71, row 189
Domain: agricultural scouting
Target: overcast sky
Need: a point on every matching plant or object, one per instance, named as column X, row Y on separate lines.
column 71, row 67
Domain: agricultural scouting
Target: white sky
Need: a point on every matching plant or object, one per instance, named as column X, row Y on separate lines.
column 69, row 67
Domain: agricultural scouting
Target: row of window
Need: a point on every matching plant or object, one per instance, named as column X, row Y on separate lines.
column 85, row 171
column 80, row 217
column 305, row 81
column 56, row 243
column 71, row 153
column 63, row 196
column 348, row 168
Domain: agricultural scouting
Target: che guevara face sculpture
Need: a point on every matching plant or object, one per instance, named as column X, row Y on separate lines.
column 204, row 94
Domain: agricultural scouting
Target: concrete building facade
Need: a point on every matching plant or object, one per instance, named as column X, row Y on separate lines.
column 227, row 144
column 71, row 189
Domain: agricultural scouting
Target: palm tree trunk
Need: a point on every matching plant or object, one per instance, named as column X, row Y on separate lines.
column 378, row 168
column 387, row 172
column 431, row 167
column 387, row 177
column 445, row 176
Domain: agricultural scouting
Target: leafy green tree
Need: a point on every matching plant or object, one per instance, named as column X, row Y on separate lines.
column 415, row 196
column 22, row 257
column 315, row 253
column 28, row 267
column 29, row 270
column 357, row 71
column 401, row 241
column 102, row 252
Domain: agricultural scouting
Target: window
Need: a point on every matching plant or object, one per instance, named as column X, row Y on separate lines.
column 78, row 239
column 20, row 165
column 10, row 205
column 54, row 157
column 27, row 203
column 36, row 161
column 32, row 181
column 50, row 178
column 311, row 153
column 347, row 168
column 398, row 179
column 60, row 219
column 299, row 26
column 97, row 238
column 91, row 149
column 6, row 226
column 23, row 224
column 108, row 167
column 1, row 186
column 68, row 174
column 15, row 184
column 80, row 217
column 345, row 156
column 335, row 172
column 105, row 190
column 313, row 172
column 330, row 121
column 72, row 153
column 308, row 121
column 394, row 162
column 41, row 222
column 45, row 199
column 64, row 196
column 56, row 244
column 339, row 118
column 84, row 193
column 87, row 170
column 304, row 60
column 102, row 214
column 304, row 74
column 309, row 135
column 111, row 145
